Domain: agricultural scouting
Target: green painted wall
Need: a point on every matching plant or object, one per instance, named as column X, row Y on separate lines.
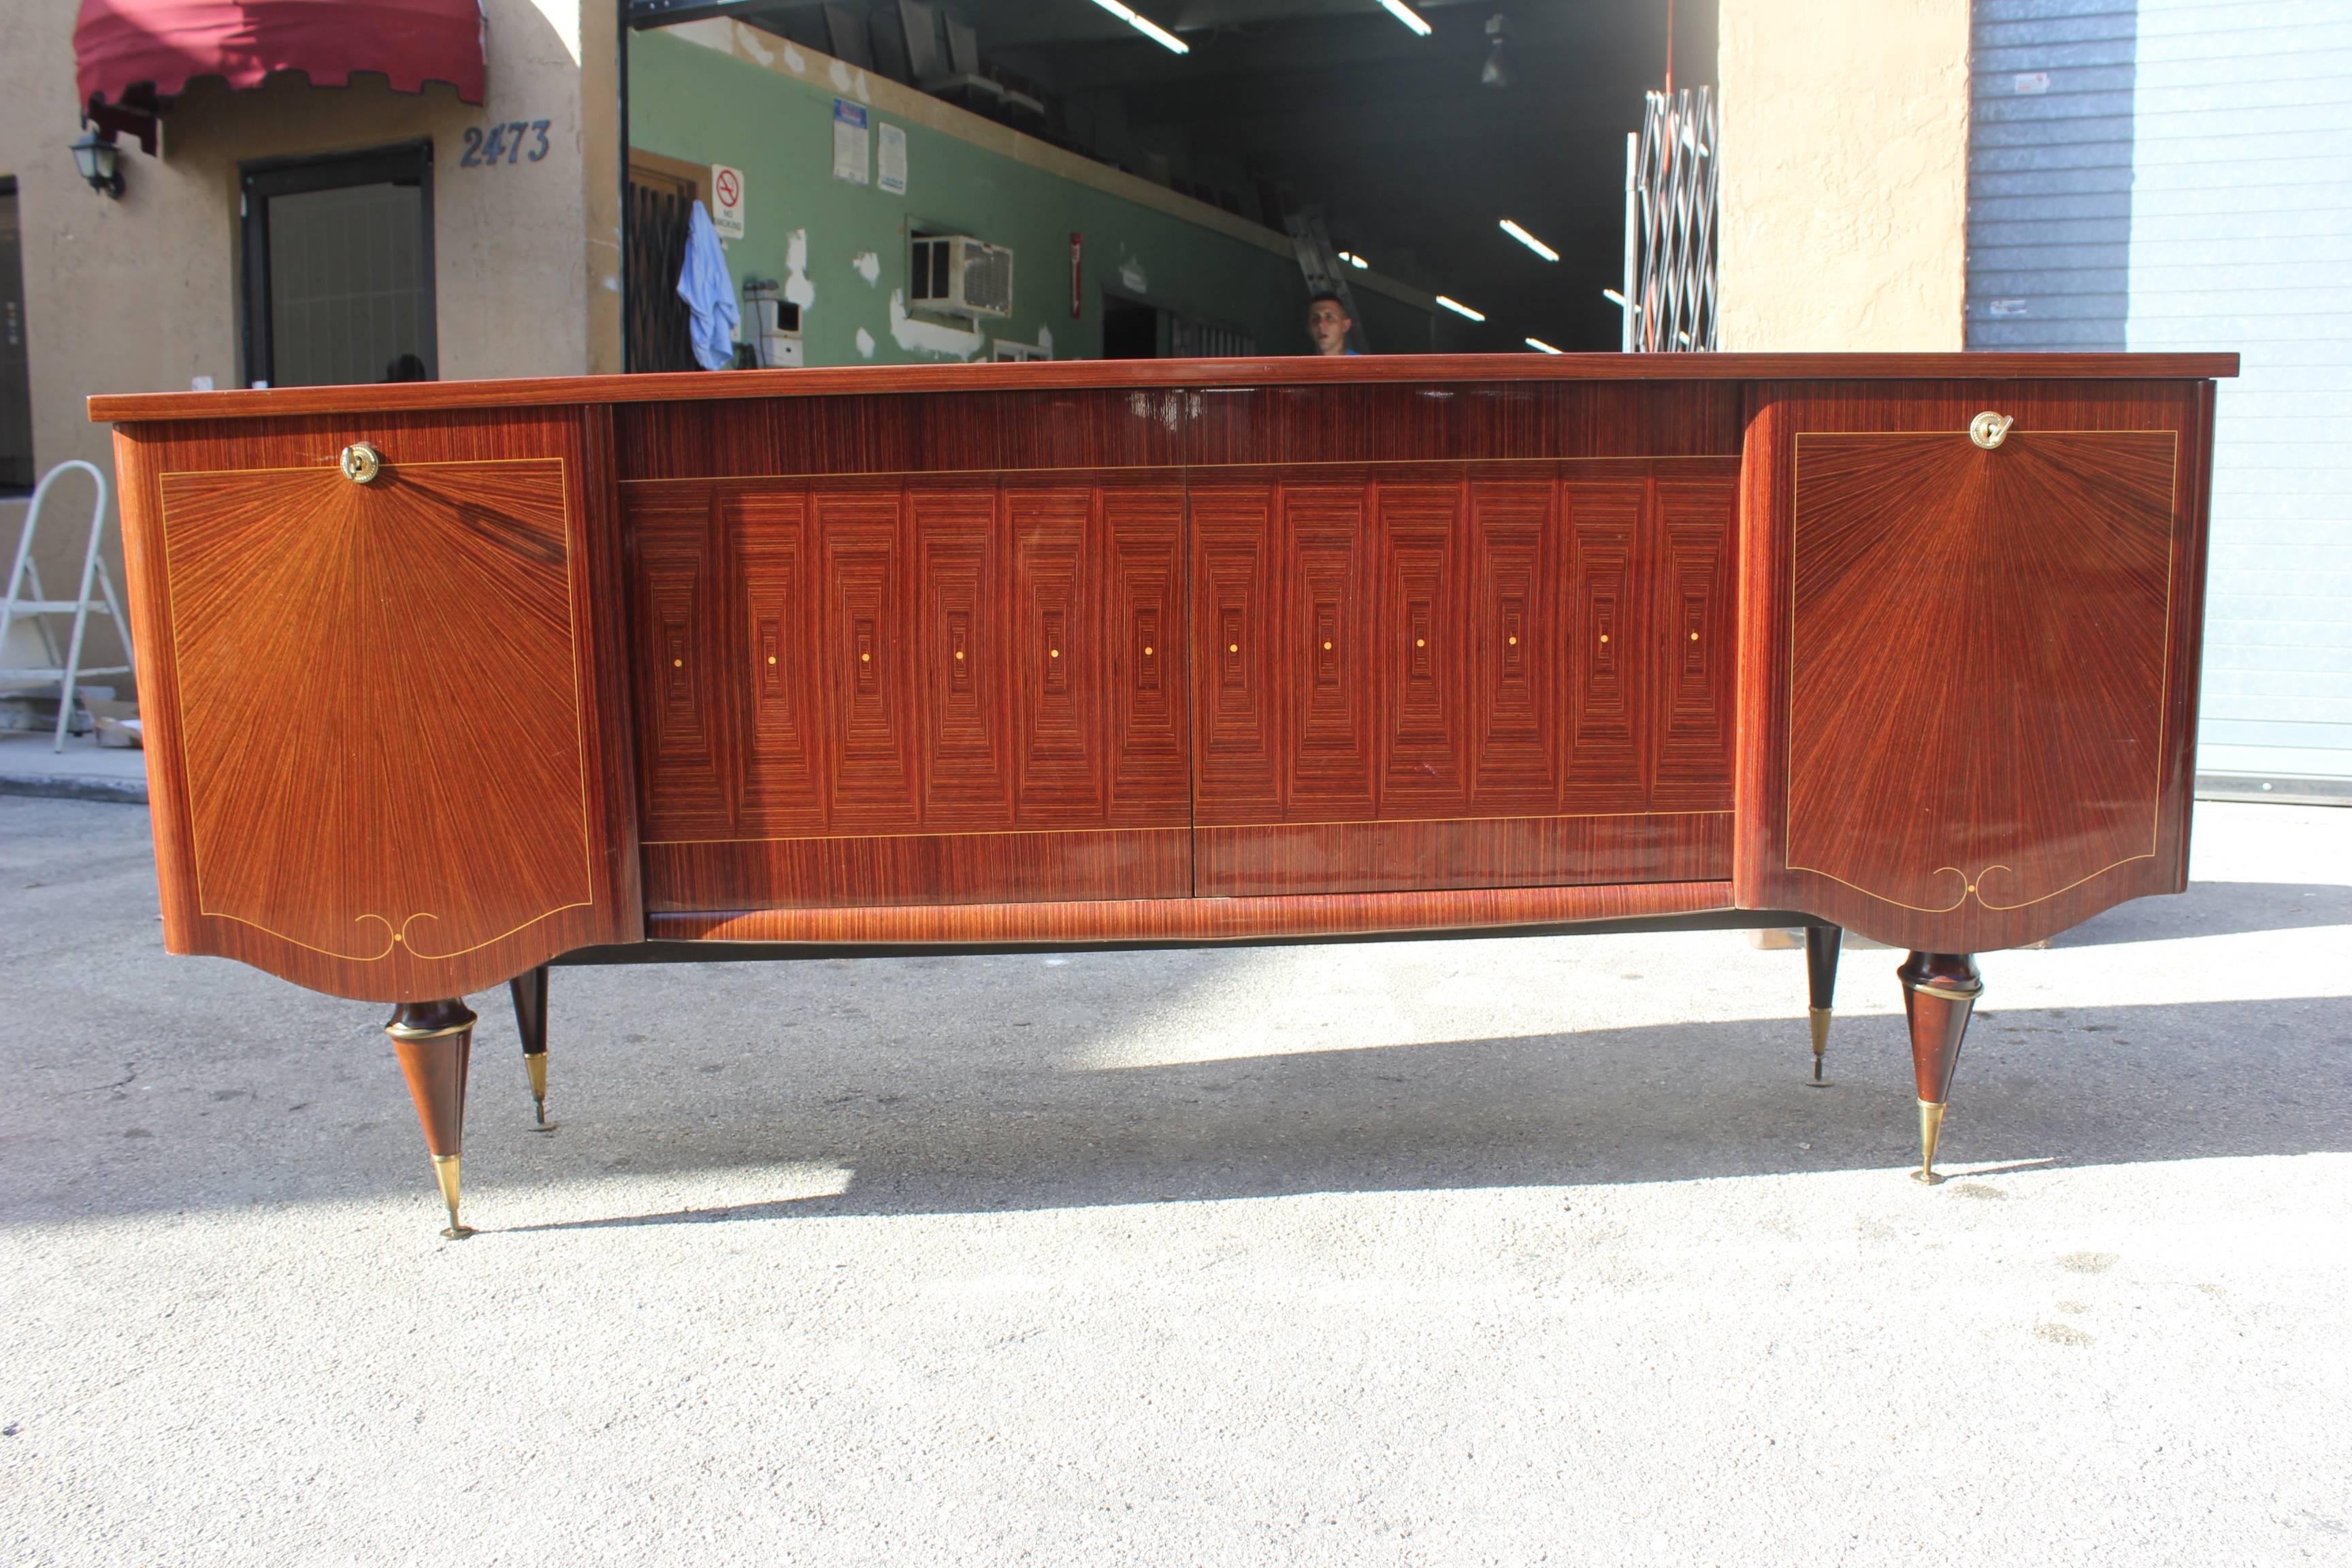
column 695, row 104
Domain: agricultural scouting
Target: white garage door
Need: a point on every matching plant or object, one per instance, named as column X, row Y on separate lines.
column 2241, row 238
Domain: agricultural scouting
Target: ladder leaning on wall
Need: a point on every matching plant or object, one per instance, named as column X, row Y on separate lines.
column 26, row 598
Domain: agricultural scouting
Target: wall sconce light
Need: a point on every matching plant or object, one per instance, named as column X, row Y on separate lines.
column 95, row 157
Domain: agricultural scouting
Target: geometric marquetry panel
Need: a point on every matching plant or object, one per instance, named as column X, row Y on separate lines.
column 386, row 754
column 1977, row 687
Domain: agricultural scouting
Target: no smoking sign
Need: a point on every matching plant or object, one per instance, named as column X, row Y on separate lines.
column 727, row 201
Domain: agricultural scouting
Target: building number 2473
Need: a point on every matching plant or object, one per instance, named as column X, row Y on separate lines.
column 485, row 148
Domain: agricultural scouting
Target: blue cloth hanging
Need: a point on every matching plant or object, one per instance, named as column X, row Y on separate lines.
column 709, row 291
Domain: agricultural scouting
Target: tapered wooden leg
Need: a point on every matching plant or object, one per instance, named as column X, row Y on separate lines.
column 530, row 989
column 1822, row 944
column 1940, row 991
column 436, row 1044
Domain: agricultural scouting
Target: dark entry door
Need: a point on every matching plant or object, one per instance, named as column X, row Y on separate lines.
column 339, row 269
column 16, row 382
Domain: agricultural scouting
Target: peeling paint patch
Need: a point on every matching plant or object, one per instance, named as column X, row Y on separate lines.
column 860, row 88
column 868, row 265
column 749, row 42
column 795, row 61
column 864, row 343
column 1045, row 340
column 929, row 337
column 839, row 76
column 797, row 286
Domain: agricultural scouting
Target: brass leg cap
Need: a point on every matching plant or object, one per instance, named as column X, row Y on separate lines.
column 1820, row 1020
column 445, row 1170
column 1931, row 1132
column 536, row 1064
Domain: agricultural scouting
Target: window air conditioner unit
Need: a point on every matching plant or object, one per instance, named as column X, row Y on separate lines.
column 957, row 275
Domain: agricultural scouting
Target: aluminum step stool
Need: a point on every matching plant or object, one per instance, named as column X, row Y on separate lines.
column 24, row 598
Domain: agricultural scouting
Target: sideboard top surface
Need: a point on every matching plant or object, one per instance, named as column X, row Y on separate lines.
column 1149, row 375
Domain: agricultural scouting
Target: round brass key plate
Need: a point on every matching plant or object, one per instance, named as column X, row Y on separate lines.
column 361, row 463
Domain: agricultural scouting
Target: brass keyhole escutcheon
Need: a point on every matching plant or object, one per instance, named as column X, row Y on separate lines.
column 1147, row 650
column 1990, row 429
column 1053, row 653
column 772, row 659
column 361, row 463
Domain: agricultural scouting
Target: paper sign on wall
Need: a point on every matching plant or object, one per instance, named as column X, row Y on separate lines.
column 727, row 201
column 850, row 142
column 891, row 173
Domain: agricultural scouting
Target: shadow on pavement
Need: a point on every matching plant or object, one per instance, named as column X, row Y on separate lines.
column 2216, row 909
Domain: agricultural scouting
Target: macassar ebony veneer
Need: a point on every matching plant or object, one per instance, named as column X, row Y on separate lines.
column 444, row 683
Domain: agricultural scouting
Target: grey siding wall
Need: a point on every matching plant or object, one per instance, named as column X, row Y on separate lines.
column 2241, row 238
column 2049, row 174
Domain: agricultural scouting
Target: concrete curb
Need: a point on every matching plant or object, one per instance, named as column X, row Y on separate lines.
column 70, row 786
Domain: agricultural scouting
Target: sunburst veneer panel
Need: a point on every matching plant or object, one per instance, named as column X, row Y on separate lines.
column 1977, row 689
column 387, row 759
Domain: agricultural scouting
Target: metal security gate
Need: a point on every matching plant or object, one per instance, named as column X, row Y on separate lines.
column 661, row 328
column 1670, row 192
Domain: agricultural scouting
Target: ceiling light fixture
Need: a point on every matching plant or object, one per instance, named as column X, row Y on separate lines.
column 1542, row 347
column 1530, row 241
column 1352, row 259
column 1407, row 15
column 1459, row 309
column 1147, row 27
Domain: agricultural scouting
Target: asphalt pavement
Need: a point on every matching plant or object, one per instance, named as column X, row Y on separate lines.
column 1450, row 1252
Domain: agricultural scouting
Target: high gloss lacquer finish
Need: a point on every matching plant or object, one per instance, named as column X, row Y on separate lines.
column 445, row 682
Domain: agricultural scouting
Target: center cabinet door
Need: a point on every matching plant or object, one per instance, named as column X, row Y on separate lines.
column 1452, row 675
column 931, row 690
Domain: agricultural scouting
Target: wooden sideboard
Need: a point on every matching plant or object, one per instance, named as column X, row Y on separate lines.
column 446, row 682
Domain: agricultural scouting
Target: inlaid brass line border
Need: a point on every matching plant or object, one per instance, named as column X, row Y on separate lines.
column 565, row 514
column 2164, row 694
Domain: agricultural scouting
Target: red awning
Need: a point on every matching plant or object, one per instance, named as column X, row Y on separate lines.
column 144, row 50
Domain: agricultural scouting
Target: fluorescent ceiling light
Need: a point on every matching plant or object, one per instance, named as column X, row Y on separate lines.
column 1614, row 296
column 1530, row 241
column 1459, row 309
column 1542, row 347
column 1352, row 259
column 1147, row 27
column 1405, row 14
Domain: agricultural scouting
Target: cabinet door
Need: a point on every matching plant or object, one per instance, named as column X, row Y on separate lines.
column 1426, row 642
column 380, row 741
column 1150, row 777
column 1977, row 727
column 1060, row 727
column 868, row 652
column 773, row 681
column 1693, row 643
column 1327, row 657
column 1517, row 647
column 690, row 790
column 1606, row 632
column 1234, row 637
column 964, row 654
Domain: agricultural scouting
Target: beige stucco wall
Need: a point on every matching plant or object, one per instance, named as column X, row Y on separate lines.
column 1844, row 208
column 142, row 294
